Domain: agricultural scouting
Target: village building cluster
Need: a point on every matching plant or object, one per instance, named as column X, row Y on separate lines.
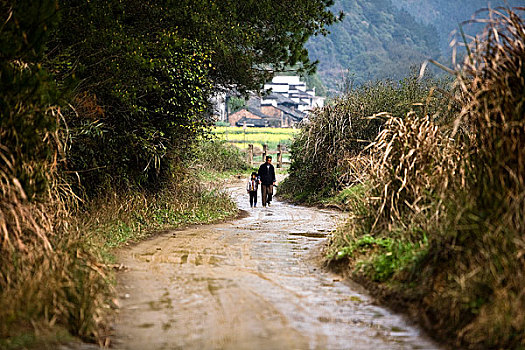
column 284, row 103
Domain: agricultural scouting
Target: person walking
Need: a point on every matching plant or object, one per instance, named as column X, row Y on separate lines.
column 251, row 187
column 267, row 176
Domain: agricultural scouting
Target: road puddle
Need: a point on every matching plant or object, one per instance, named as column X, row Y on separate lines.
column 254, row 283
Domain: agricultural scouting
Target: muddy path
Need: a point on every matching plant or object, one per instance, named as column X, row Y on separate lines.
column 253, row 283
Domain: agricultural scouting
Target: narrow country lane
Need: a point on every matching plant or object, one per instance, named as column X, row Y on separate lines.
column 249, row 284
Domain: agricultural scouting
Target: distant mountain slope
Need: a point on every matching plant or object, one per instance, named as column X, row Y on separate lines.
column 376, row 40
column 379, row 39
column 447, row 14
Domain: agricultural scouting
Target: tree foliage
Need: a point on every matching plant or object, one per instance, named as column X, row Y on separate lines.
column 251, row 39
column 142, row 74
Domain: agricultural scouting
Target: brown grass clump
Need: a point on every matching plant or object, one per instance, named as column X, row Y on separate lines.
column 486, row 232
column 413, row 160
column 21, row 219
column 64, row 286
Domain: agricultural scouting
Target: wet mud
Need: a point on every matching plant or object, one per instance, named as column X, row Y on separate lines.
column 253, row 283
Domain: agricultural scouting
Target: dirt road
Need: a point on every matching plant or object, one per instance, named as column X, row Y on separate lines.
column 249, row 284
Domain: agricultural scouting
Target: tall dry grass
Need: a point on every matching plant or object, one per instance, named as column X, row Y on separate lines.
column 485, row 240
column 452, row 198
column 328, row 150
column 413, row 162
column 493, row 83
column 49, row 273
column 22, row 219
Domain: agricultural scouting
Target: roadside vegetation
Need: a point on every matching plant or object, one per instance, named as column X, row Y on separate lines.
column 217, row 159
column 328, row 152
column 103, row 106
column 435, row 188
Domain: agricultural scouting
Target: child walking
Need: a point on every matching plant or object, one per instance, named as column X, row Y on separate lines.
column 251, row 187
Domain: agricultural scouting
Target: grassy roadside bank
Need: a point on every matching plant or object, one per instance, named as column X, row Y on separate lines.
column 435, row 193
column 68, row 293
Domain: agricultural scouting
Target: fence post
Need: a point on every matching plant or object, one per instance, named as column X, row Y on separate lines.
column 265, row 151
column 279, row 156
column 250, row 154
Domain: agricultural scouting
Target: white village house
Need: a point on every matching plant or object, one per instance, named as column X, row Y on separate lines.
column 296, row 90
column 286, row 102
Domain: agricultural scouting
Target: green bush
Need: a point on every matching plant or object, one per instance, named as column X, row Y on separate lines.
column 219, row 156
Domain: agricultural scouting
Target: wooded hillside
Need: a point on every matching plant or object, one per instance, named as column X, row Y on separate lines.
column 445, row 15
column 386, row 39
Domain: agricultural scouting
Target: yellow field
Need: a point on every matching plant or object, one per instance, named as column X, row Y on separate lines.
column 256, row 136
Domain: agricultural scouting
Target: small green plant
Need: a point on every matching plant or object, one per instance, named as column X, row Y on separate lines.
column 380, row 257
column 352, row 199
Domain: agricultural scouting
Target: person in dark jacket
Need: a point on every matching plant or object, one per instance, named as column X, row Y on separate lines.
column 267, row 178
column 251, row 187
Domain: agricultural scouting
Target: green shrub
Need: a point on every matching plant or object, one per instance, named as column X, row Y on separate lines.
column 219, row 156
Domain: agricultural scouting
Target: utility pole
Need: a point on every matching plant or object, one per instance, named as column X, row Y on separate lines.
column 226, row 106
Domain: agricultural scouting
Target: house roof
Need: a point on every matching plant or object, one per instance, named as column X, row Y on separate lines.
column 301, row 94
column 254, row 102
column 297, row 115
column 282, row 99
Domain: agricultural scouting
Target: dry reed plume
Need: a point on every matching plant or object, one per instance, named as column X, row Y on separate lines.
column 413, row 162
